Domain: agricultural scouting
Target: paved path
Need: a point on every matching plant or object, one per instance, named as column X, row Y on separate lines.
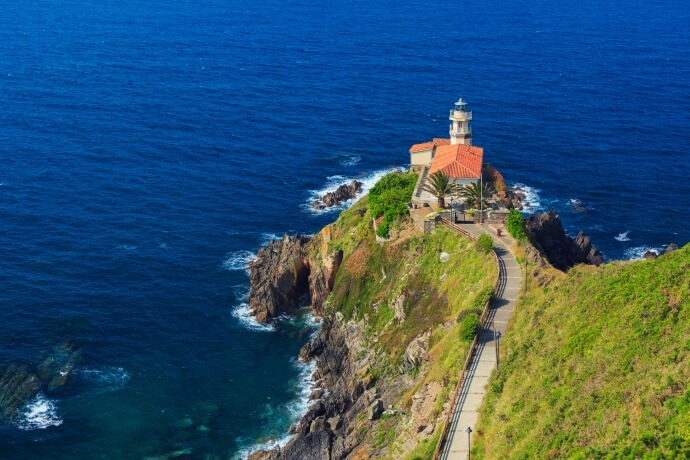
column 472, row 391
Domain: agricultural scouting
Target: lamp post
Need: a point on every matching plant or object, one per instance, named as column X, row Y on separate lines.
column 452, row 203
column 481, row 197
column 497, row 337
column 469, row 445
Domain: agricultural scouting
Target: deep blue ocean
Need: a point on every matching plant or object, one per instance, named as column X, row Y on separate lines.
column 148, row 149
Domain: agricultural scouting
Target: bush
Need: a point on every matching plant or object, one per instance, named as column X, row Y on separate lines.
column 389, row 198
column 469, row 327
column 516, row 225
column 484, row 243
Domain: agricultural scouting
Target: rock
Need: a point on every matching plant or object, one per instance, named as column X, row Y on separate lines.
column 444, row 257
column 184, row 423
column 314, row 446
column 318, row 424
column 578, row 207
column 390, row 412
column 203, row 428
column 429, row 429
column 335, row 423
column 670, row 248
column 19, row 382
column 279, row 277
column 650, row 255
column 398, row 306
column 416, row 352
column 343, row 193
column 376, row 410
column 316, row 394
column 546, row 232
column 17, row 385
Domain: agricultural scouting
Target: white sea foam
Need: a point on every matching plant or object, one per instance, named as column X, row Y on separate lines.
column 238, row 260
column 106, row 378
column 39, row 414
column 304, row 387
column 351, row 160
column 333, row 182
column 637, row 252
column 532, row 201
column 268, row 237
column 244, row 316
column 623, row 236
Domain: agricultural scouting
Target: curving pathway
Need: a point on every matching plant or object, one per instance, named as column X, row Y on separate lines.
column 471, row 393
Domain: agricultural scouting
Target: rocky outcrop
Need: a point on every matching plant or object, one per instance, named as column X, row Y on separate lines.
column 651, row 254
column 343, row 193
column 19, row 382
column 546, row 232
column 279, row 277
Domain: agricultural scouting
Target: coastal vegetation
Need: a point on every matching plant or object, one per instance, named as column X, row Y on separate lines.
column 389, row 198
column 440, row 186
column 515, row 224
column 596, row 364
column 401, row 293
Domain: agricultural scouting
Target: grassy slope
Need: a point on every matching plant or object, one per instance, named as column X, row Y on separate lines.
column 596, row 365
column 373, row 276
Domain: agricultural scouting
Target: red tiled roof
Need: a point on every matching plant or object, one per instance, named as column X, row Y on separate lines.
column 458, row 161
column 429, row 145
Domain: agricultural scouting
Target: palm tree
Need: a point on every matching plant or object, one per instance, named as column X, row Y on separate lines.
column 440, row 186
column 474, row 192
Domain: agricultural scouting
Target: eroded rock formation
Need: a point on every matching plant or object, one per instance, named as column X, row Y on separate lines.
column 343, row 193
column 19, row 382
column 546, row 232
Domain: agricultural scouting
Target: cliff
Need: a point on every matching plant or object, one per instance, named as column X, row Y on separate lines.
column 389, row 350
column 546, row 233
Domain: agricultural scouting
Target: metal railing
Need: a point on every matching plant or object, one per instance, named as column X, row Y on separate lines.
column 500, row 279
column 463, row 115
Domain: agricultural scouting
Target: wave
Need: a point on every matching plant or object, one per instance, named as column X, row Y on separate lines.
column 532, row 201
column 622, row 236
column 304, row 387
column 106, row 379
column 244, row 316
column 127, row 247
column 238, row 260
column 637, row 252
column 39, row 414
column 351, row 160
column 268, row 237
column 333, row 182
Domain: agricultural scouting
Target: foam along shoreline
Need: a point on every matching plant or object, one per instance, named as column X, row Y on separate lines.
column 333, row 182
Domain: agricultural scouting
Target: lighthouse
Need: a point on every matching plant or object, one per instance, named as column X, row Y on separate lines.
column 460, row 131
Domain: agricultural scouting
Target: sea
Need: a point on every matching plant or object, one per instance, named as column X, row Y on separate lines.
column 149, row 148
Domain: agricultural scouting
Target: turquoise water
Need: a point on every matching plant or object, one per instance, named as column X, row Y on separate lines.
column 148, row 149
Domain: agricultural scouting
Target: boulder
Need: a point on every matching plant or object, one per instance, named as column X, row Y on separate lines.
column 417, row 352
column 375, row 409
column 650, row 255
column 670, row 248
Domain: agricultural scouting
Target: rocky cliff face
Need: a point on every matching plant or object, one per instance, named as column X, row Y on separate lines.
column 287, row 273
column 279, row 277
column 546, row 232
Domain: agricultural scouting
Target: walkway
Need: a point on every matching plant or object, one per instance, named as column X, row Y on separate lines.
column 472, row 391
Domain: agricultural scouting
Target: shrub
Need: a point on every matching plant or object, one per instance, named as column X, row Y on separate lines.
column 389, row 198
column 469, row 327
column 484, row 243
column 516, row 225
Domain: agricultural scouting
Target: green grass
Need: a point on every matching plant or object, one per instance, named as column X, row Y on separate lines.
column 596, row 364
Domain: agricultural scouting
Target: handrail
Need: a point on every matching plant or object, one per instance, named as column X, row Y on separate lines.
column 473, row 346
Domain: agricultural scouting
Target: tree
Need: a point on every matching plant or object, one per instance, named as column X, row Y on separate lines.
column 516, row 225
column 440, row 186
column 474, row 193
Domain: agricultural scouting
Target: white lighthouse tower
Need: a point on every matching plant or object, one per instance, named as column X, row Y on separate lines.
column 460, row 131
